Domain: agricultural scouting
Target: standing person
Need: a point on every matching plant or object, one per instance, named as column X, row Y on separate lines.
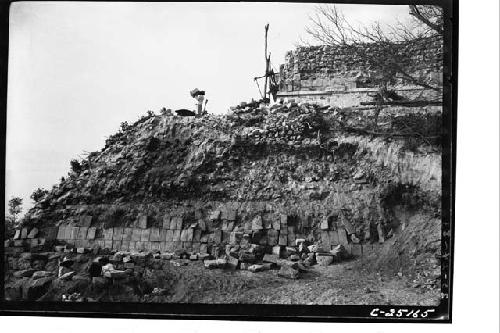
column 199, row 96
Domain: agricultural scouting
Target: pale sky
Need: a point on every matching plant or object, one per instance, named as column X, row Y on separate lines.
column 77, row 70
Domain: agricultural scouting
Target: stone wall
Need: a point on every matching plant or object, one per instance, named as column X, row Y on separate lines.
column 338, row 76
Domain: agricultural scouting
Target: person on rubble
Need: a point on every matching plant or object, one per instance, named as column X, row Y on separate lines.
column 199, row 96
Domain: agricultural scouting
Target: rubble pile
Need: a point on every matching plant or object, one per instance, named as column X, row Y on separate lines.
column 279, row 187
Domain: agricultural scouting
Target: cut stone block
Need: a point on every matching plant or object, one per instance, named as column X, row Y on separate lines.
column 324, row 223
column 24, row 233
column 217, row 236
column 342, row 236
column 197, row 235
column 178, row 223
column 116, row 245
column 202, row 225
column 276, row 224
column 215, row 215
column 283, row 240
column 142, row 221
column 50, row 233
column 127, row 234
column 189, row 234
column 257, row 223
column 145, row 235
column 154, row 235
column 277, row 250
column 33, row 233
column 155, row 246
column 348, row 226
column 231, row 215
column 380, row 232
column 272, row 237
column 232, row 262
column 136, row 234
column 169, row 236
column 67, row 233
column 108, row 234
column 334, row 237
column 91, row 233
column 117, row 233
column 74, row 232
column 176, row 236
column 325, row 240
column 166, row 222
column 82, row 232
column 272, row 258
column 357, row 250
column 184, row 235
column 85, row 221
column 17, row 235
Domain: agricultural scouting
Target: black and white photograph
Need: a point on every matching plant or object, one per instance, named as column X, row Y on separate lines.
column 259, row 160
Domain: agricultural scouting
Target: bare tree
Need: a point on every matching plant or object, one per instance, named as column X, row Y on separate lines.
column 329, row 26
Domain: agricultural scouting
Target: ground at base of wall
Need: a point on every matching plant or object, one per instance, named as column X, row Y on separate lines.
column 338, row 284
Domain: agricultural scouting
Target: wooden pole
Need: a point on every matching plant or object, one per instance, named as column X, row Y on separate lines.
column 267, row 61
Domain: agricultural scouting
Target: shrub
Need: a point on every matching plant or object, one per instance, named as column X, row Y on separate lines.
column 38, row 194
column 76, row 167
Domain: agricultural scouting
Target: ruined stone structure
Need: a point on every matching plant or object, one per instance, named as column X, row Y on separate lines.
column 335, row 76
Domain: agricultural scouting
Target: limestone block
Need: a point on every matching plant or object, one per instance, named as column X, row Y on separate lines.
column 226, row 236
column 74, row 233
column 163, row 235
column 154, row 235
column 169, row 236
column 125, row 246
column 342, row 236
column 197, row 235
column 217, row 236
column 184, row 235
column 82, row 232
column 202, row 225
column 33, row 233
column 24, row 233
column 177, row 236
column 325, row 240
column 145, row 233
column 189, row 234
column 136, row 234
column 257, row 223
column 231, row 214
column 215, row 215
column 17, row 235
column 61, row 233
column 142, row 221
column 178, row 223
column 108, row 244
column 357, row 250
column 51, row 233
column 117, row 233
column 108, row 234
column 283, row 239
column 85, row 221
column 272, row 237
column 155, row 246
column 127, row 234
column 334, row 237
column 196, row 247
column 166, row 222
column 324, row 223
